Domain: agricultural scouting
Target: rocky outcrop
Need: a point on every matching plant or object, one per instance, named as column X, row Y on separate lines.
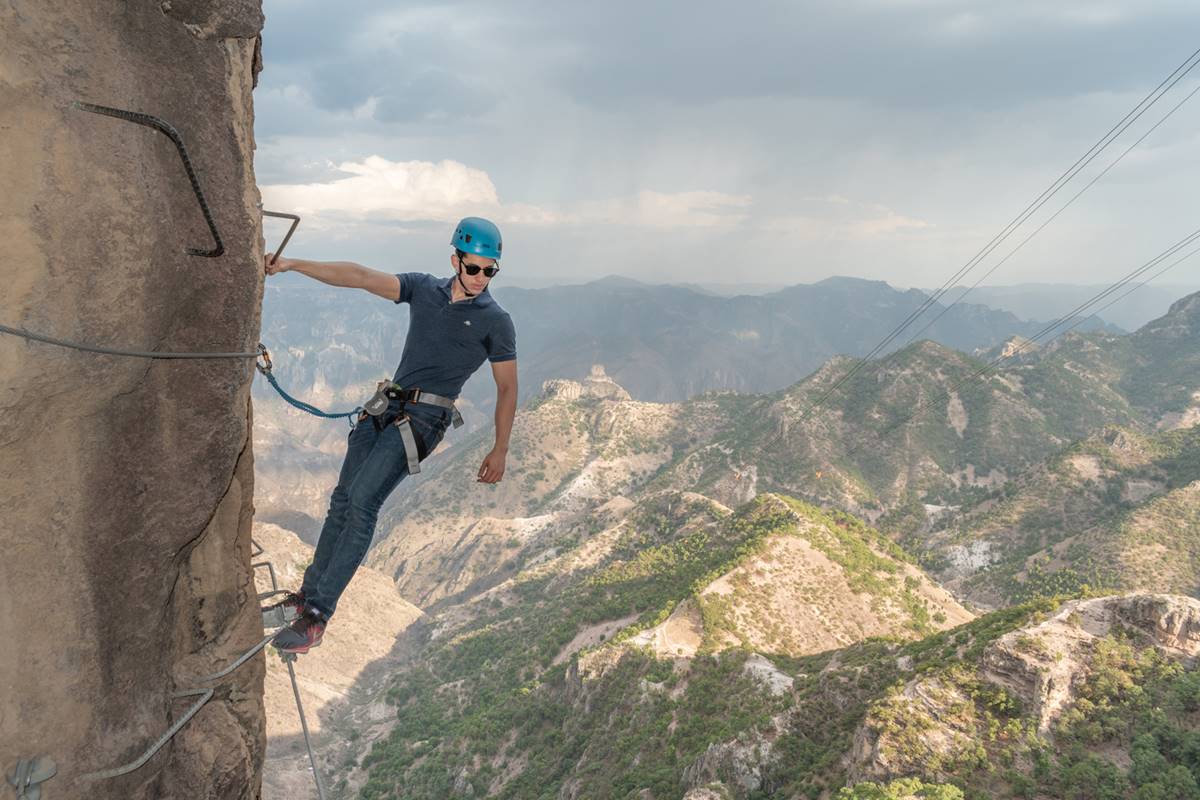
column 714, row 791
column 126, row 484
column 938, row 728
column 562, row 388
column 1040, row 665
column 743, row 763
column 931, row 723
column 597, row 385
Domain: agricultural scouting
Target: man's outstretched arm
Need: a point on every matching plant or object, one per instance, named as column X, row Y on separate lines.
column 346, row 274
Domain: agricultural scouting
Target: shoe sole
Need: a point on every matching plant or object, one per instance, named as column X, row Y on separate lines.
column 297, row 650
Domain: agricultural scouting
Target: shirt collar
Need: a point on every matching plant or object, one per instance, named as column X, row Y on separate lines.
column 482, row 299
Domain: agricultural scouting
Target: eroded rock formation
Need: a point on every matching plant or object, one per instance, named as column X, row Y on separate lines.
column 1041, row 665
column 125, row 483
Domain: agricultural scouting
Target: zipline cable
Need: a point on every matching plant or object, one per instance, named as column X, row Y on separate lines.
column 1134, row 288
column 1153, row 97
column 1039, row 229
column 1075, row 316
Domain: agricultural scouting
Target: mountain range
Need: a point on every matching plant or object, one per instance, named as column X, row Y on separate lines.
column 660, row 343
column 1048, row 300
column 738, row 596
column 1028, row 301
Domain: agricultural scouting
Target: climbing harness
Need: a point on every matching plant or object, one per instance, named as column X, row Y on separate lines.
column 30, row 773
column 410, row 444
column 385, row 392
column 166, row 128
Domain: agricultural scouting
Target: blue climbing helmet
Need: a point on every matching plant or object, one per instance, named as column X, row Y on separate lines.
column 479, row 236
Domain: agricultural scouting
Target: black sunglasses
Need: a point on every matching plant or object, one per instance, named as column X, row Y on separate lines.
column 473, row 269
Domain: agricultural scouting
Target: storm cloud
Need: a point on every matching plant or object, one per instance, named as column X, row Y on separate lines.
column 770, row 142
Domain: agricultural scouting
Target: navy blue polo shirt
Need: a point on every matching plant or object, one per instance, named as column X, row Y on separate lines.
column 448, row 341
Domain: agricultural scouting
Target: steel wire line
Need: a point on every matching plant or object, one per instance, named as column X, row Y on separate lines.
column 1132, row 289
column 1072, row 315
column 1134, row 114
column 1054, row 216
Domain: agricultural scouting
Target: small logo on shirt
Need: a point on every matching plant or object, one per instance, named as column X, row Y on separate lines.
column 466, row 322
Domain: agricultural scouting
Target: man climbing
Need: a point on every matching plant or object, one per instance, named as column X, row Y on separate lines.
column 454, row 325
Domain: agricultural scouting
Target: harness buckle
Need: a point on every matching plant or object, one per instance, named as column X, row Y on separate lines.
column 379, row 401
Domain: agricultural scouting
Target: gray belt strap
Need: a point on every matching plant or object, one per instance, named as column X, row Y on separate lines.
column 402, row 422
column 410, row 444
column 438, row 400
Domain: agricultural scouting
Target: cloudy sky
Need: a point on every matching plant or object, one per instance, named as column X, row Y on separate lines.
column 765, row 142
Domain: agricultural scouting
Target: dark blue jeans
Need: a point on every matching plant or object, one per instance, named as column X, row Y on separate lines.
column 375, row 464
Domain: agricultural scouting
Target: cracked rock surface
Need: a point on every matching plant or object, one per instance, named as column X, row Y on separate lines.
column 126, row 484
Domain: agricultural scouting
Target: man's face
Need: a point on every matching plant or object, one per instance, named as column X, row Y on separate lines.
column 477, row 282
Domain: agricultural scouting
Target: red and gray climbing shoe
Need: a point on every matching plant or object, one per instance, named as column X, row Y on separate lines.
column 282, row 613
column 304, row 633
column 291, row 604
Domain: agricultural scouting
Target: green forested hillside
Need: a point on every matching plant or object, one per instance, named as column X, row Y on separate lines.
column 687, row 601
column 1118, row 510
column 500, row 691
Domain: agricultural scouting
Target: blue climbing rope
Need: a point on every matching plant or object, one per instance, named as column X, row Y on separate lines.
column 264, row 366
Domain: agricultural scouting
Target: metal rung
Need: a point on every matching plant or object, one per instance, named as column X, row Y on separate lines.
column 29, row 774
column 278, row 617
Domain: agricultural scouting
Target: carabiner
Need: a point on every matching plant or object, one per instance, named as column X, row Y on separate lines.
column 265, row 366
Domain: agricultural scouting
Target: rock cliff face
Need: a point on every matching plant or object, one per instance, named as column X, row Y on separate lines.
column 1041, row 665
column 126, row 484
column 596, row 385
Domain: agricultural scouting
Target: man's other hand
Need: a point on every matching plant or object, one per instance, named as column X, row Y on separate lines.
column 492, row 468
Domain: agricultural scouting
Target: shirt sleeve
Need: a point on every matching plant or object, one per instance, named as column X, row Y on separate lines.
column 409, row 281
column 502, row 340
